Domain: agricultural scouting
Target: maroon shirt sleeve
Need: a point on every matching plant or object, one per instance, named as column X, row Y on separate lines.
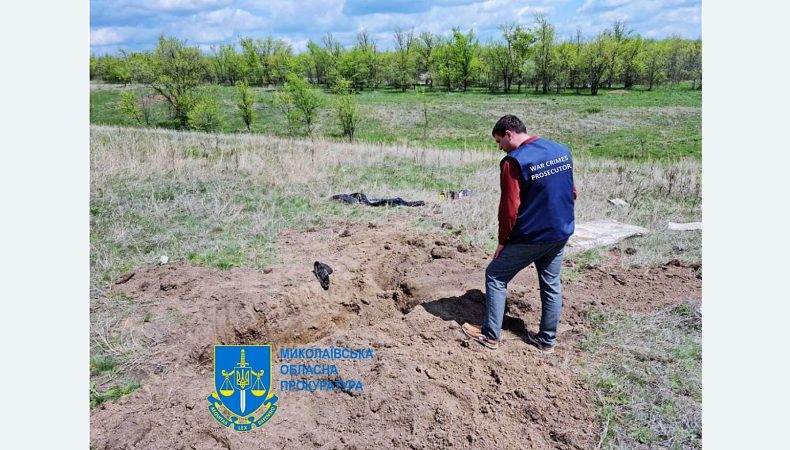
column 510, row 200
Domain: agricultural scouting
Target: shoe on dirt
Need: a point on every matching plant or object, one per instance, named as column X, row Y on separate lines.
column 532, row 339
column 322, row 272
column 477, row 335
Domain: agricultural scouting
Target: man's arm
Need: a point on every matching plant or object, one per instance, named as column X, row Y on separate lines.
column 509, row 201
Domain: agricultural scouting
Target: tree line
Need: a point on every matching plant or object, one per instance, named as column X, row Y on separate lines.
column 525, row 57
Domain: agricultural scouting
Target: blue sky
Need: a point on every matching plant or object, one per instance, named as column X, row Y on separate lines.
column 135, row 25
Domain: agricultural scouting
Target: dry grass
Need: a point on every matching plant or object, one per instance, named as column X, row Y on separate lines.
column 646, row 371
column 221, row 199
column 162, row 192
column 656, row 192
column 119, row 354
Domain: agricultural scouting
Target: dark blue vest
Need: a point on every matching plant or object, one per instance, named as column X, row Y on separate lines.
column 545, row 213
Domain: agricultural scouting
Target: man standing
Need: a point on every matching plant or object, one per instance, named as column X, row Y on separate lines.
column 535, row 221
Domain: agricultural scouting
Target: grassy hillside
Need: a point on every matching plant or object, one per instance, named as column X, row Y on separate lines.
column 637, row 124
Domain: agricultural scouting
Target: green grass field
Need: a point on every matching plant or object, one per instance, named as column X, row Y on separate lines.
column 665, row 123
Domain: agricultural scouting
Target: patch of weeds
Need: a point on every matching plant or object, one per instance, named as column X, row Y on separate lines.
column 683, row 309
column 223, row 258
column 586, row 259
column 191, row 151
column 113, row 393
column 688, row 351
column 102, row 363
column 645, row 371
column 119, row 296
column 643, row 435
column 570, row 275
column 423, row 224
column 613, row 387
column 595, row 318
column 147, row 317
column 592, row 110
column 577, row 263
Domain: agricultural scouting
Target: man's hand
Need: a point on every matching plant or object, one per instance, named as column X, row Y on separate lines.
column 498, row 250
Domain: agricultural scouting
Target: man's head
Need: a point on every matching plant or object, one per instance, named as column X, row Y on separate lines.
column 509, row 132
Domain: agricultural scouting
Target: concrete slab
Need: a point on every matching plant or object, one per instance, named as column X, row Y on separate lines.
column 599, row 233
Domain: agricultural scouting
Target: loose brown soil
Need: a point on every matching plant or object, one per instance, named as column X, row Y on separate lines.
column 404, row 294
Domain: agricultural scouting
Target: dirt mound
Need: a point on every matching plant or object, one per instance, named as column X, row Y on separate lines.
column 400, row 292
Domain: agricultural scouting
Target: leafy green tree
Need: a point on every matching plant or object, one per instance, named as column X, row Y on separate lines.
column 522, row 40
column 494, row 65
column 116, row 70
column 632, row 62
column 544, row 51
column 227, row 64
column 282, row 100
column 427, row 43
column 346, row 109
column 369, row 60
column 528, row 73
column 353, row 68
column 405, row 61
column 246, row 104
column 442, row 58
column 129, row 106
column 320, row 61
column 282, row 63
column 463, row 50
column 175, row 72
column 654, row 60
column 595, row 60
column 577, row 62
column 94, row 66
column 204, row 115
column 505, row 56
column 563, row 64
column 299, row 102
column 619, row 36
column 251, row 62
column 674, row 50
column 333, row 49
column 693, row 63
column 140, row 64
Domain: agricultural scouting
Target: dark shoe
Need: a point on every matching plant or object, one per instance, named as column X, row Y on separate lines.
column 532, row 339
column 322, row 272
column 476, row 334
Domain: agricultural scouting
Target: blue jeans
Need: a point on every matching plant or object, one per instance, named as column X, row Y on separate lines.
column 514, row 257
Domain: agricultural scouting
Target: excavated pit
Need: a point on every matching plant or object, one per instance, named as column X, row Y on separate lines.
column 404, row 294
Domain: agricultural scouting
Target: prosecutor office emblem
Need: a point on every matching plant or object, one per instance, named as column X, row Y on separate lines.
column 242, row 394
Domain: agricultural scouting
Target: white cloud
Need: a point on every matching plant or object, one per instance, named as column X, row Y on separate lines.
column 595, row 5
column 215, row 21
column 685, row 14
column 218, row 26
column 105, row 36
column 172, row 5
column 650, row 18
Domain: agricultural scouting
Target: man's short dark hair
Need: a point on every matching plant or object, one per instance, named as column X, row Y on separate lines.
column 508, row 122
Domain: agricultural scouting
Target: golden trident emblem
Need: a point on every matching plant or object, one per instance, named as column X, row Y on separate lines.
column 242, row 372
